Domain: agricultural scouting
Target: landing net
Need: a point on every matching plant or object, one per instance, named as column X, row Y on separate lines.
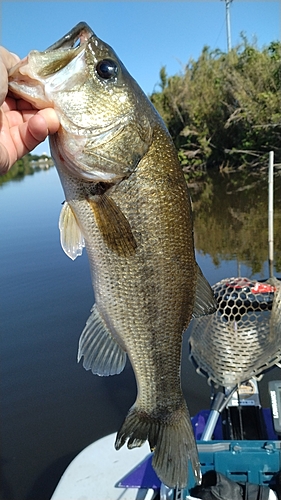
column 243, row 338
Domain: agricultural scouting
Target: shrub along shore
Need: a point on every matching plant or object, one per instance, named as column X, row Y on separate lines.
column 224, row 110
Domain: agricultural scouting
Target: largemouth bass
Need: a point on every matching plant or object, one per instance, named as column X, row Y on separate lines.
column 127, row 202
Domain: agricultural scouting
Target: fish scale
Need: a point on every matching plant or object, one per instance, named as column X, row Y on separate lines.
column 127, row 202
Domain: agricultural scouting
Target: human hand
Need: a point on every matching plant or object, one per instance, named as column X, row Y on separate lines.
column 22, row 127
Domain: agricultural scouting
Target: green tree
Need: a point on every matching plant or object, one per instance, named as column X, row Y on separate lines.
column 225, row 109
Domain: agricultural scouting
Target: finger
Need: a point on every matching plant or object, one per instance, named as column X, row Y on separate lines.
column 7, row 60
column 51, row 119
column 16, row 117
column 22, row 105
column 9, row 104
column 3, row 82
column 36, row 132
column 14, row 103
column 4, row 160
column 29, row 134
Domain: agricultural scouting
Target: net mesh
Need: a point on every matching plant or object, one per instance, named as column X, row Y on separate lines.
column 243, row 338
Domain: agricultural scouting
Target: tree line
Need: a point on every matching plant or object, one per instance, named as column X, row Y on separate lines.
column 22, row 167
column 224, row 110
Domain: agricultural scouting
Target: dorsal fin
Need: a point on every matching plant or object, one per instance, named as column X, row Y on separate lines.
column 205, row 302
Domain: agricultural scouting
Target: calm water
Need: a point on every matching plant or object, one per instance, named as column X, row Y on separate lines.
column 51, row 408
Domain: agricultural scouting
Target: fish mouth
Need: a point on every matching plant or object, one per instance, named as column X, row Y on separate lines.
column 81, row 32
column 35, row 74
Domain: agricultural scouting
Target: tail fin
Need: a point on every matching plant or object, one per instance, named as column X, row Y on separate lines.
column 172, row 439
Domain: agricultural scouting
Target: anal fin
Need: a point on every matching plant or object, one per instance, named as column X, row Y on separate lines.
column 102, row 354
column 113, row 225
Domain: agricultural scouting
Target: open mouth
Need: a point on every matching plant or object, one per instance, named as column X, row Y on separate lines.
column 81, row 33
column 28, row 78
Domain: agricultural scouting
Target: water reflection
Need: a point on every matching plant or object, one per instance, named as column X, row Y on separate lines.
column 51, row 407
column 230, row 219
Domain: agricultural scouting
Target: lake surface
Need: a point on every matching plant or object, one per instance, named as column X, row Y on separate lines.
column 51, row 408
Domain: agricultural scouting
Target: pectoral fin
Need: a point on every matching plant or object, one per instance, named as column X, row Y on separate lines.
column 71, row 238
column 113, row 225
column 102, row 354
column 205, row 302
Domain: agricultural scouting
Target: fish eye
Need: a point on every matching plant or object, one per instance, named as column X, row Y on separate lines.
column 107, row 69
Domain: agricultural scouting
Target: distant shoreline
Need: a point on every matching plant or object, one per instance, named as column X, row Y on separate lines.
column 27, row 165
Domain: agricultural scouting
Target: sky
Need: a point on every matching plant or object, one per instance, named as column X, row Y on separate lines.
column 146, row 35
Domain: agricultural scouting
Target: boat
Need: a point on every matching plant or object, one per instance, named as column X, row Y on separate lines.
column 238, row 441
